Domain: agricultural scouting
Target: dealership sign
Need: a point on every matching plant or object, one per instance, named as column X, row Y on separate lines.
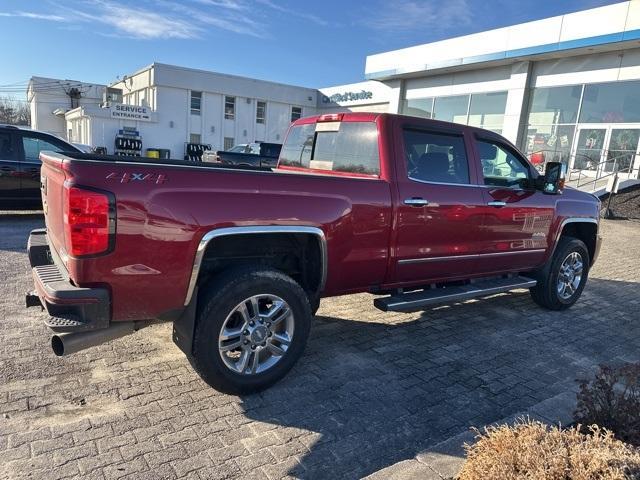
column 130, row 112
column 348, row 97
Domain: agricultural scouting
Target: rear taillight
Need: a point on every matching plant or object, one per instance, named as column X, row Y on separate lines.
column 86, row 221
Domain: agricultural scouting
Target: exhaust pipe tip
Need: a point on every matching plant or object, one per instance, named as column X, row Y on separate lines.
column 67, row 343
column 57, row 345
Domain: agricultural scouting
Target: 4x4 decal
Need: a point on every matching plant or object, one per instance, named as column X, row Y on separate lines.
column 127, row 177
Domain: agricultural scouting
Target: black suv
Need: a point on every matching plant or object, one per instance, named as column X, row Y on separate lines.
column 20, row 164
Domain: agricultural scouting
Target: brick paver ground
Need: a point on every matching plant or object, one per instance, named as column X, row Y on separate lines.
column 371, row 390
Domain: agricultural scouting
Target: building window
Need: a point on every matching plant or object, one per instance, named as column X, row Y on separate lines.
column 229, row 107
column 451, row 109
column 296, row 113
column 228, row 143
column 196, row 102
column 486, row 110
column 418, row 107
column 261, row 112
column 552, row 117
column 554, row 105
column 195, row 138
column 546, row 143
column 617, row 102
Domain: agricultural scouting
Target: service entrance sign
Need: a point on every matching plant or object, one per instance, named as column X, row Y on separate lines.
column 130, row 112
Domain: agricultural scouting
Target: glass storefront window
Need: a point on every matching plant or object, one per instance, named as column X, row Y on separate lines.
column 549, row 143
column 418, row 107
column 551, row 105
column 487, row 110
column 451, row 109
column 615, row 102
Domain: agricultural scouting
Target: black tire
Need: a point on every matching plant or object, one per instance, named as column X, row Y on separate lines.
column 314, row 303
column 218, row 299
column 545, row 293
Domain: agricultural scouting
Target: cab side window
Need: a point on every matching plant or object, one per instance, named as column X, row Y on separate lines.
column 436, row 157
column 34, row 145
column 501, row 167
column 6, row 149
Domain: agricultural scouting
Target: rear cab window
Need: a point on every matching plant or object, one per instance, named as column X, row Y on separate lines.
column 348, row 148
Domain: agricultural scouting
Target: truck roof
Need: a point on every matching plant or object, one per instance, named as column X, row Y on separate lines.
column 372, row 117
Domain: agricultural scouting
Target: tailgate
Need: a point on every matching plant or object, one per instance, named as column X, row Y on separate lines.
column 52, row 178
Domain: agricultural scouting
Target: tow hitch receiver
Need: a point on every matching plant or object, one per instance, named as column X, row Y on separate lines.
column 32, row 300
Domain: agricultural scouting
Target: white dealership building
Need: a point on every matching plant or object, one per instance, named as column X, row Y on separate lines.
column 566, row 87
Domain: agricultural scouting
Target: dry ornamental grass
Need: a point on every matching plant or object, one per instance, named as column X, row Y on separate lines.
column 532, row 450
column 612, row 400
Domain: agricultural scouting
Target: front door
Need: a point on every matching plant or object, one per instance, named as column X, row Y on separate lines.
column 517, row 217
column 439, row 210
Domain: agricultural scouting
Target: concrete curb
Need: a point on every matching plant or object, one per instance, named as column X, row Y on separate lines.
column 445, row 459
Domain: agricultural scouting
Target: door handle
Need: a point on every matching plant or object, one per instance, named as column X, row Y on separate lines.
column 416, row 201
column 497, row 204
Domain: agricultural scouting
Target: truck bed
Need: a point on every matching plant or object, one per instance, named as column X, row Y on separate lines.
column 156, row 161
column 163, row 208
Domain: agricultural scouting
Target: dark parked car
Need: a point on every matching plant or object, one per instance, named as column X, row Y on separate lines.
column 256, row 154
column 20, row 164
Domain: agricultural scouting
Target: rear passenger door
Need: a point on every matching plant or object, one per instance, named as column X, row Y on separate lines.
column 32, row 143
column 9, row 166
column 439, row 213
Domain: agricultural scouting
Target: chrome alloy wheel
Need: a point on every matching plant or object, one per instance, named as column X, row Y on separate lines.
column 570, row 275
column 256, row 334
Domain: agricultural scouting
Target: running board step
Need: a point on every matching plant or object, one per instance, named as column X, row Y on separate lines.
column 415, row 300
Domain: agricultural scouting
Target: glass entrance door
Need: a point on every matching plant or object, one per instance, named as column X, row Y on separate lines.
column 622, row 150
column 589, row 148
column 601, row 148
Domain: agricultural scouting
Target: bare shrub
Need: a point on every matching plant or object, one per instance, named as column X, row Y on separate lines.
column 533, row 450
column 612, row 400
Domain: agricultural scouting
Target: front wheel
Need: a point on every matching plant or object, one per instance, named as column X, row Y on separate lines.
column 252, row 327
column 561, row 281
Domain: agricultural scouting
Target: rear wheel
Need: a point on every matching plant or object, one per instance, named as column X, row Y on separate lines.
column 561, row 281
column 251, row 329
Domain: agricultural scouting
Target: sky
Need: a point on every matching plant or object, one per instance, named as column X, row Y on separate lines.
column 307, row 43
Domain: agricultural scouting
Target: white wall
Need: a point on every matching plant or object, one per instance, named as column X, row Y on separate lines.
column 594, row 68
column 492, row 45
column 167, row 90
column 45, row 95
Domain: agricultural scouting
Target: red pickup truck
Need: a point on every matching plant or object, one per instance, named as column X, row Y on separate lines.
column 415, row 211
